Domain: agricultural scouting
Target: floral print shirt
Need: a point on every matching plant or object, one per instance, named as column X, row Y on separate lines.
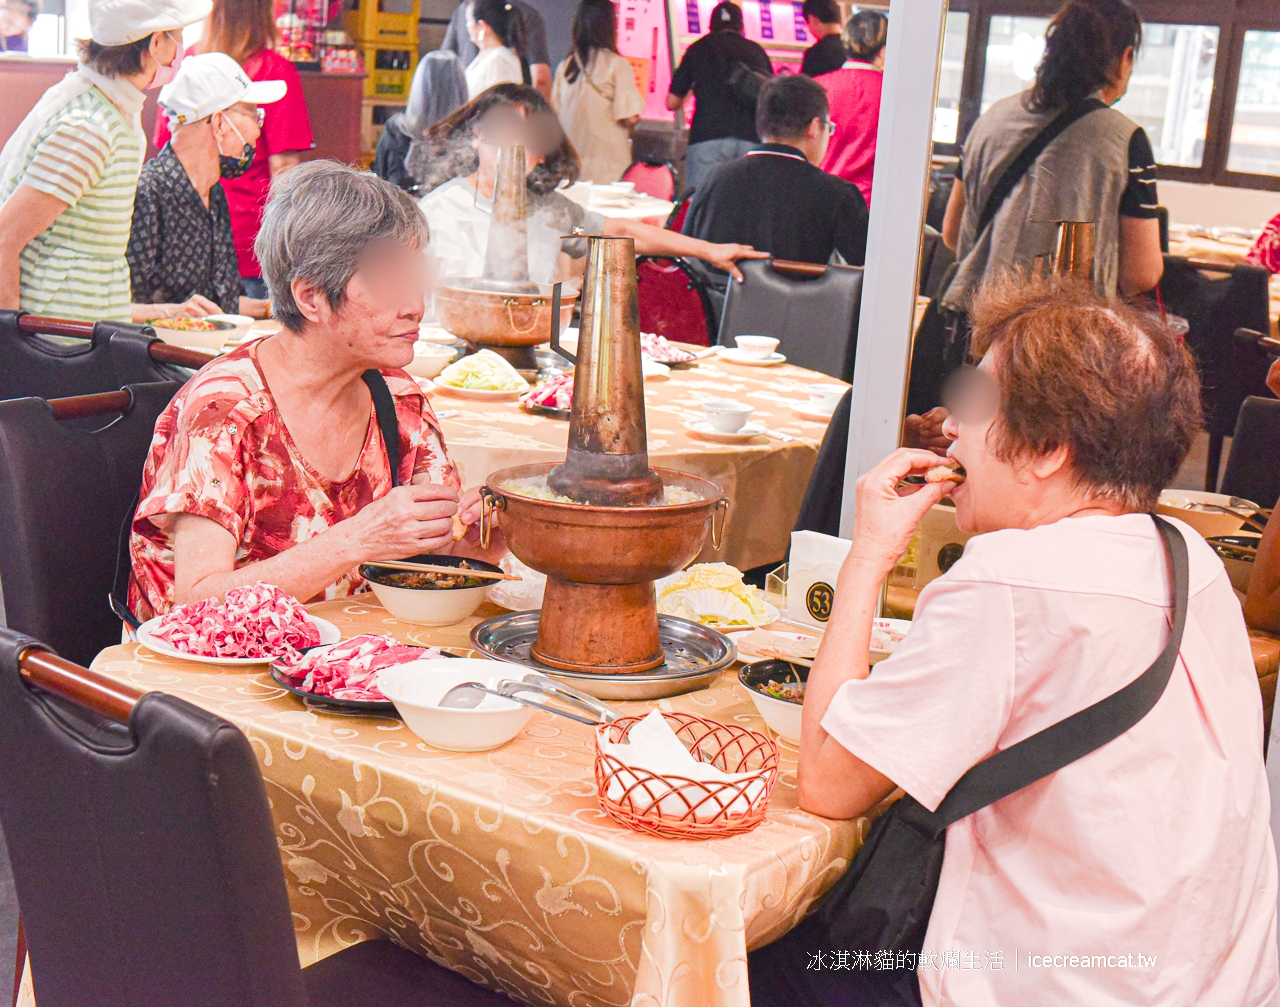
column 1266, row 250
column 221, row 451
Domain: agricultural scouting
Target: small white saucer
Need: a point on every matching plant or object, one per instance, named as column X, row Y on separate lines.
column 655, row 371
column 735, row 356
column 704, row 430
column 811, row 412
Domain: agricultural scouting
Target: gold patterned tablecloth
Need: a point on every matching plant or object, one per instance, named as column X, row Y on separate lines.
column 764, row 479
column 500, row 864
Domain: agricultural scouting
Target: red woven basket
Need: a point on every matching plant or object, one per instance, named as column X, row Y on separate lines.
column 674, row 807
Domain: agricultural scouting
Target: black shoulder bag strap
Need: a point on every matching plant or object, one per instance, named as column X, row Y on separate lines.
column 384, row 407
column 883, row 902
column 1021, row 164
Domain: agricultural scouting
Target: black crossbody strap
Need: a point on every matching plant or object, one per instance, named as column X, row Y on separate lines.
column 384, row 408
column 1021, row 164
column 1046, row 752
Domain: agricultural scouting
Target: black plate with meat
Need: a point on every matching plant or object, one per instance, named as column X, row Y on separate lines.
column 368, row 707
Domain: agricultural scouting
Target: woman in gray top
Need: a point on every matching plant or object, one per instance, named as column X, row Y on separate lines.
column 1100, row 168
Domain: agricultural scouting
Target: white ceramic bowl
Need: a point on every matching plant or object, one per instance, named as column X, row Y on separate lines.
column 727, row 417
column 756, row 347
column 429, row 606
column 782, row 717
column 825, row 397
column 429, row 358
column 418, row 686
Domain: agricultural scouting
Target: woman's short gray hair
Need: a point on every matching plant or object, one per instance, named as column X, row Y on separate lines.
column 319, row 219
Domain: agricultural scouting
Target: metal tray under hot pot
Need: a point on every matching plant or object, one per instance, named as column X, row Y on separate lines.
column 696, row 655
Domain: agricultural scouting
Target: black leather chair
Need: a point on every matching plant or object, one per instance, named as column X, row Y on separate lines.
column 145, row 858
column 812, row 309
column 1253, row 464
column 115, row 354
column 824, row 496
column 1216, row 300
column 936, row 260
column 65, row 492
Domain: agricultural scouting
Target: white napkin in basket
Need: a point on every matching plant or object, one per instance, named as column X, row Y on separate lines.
column 651, row 745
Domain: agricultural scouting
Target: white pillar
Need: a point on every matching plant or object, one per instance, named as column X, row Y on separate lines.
column 899, row 192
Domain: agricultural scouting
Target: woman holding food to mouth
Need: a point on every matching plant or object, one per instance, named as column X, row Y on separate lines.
column 1079, row 413
column 271, row 464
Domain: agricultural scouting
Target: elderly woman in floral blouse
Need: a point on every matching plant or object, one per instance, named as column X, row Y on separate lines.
column 269, row 465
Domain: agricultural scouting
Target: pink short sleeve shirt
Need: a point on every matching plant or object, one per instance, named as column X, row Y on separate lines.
column 1143, row 873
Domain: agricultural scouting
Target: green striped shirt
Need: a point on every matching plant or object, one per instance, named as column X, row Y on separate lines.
column 87, row 156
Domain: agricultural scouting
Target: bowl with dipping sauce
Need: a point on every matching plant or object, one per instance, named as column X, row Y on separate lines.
column 727, row 417
column 430, row 358
column 1237, row 553
column 756, row 347
column 777, row 689
column 430, row 599
column 417, row 687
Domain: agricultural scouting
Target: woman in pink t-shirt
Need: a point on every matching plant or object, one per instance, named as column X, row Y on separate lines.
column 1143, row 872
column 246, row 31
column 853, row 92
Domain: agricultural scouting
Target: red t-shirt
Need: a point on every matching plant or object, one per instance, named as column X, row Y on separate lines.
column 853, row 92
column 285, row 127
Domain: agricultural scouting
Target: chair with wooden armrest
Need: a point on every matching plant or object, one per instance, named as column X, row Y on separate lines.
column 89, row 357
column 146, row 862
column 69, row 476
column 812, row 309
column 1217, row 299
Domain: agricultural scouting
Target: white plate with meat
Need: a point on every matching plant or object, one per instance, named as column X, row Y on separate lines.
column 329, row 633
column 251, row 626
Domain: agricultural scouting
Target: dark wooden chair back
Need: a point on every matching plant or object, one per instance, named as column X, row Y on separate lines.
column 142, row 846
column 89, row 357
column 1253, row 464
column 812, row 309
column 69, row 474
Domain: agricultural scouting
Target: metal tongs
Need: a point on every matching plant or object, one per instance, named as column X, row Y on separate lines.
column 577, row 705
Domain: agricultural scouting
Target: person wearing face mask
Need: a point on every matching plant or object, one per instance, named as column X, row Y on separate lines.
column 68, row 173
column 246, row 31
column 182, row 257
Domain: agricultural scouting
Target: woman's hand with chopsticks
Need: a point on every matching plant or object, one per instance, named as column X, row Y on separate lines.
column 408, row 521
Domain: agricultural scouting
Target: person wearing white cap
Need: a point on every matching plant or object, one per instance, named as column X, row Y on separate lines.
column 68, row 173
column 182, row 256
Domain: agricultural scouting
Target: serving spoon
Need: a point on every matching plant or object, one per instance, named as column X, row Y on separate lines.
column 469, row 695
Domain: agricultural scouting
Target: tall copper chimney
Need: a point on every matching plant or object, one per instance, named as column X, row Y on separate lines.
column 608, row 458
column 506, row 257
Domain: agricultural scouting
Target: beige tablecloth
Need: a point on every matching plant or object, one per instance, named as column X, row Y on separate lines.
column 764, row 479
column 500, row 864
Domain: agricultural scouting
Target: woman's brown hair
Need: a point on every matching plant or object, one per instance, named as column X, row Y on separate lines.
column 1083, row 46
column 241, row 28
column 114, row 60
column 1111, row 384
column 446, row 152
